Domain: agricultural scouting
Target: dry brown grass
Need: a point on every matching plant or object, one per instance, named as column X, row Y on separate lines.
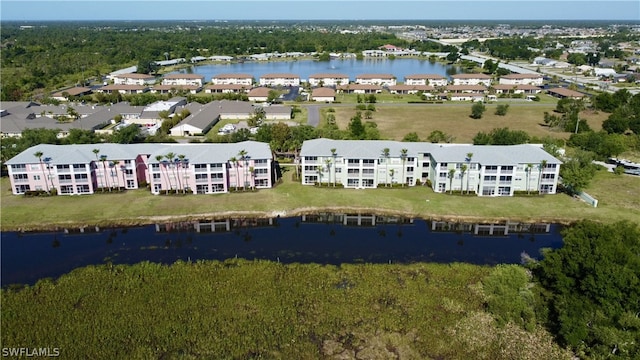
column 395, row 121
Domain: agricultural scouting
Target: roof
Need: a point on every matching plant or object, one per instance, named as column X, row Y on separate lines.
column 360, row 87
column 522, row 76
column 73, row 91
column 425, row 76
column 259, row 91
column 280, row 76
column 177, row 87
column 183, row 76
column 411, row 87
column 375, row 76
column 323, row 92
column 455, row 153
column 565, row 92
column 328, row 76
column 227, row 87
column 466, row 87
column 233, row 76
column 471, row 76
column 517, row 87
column 135, row 76
column 114, row 87
column 213, row 152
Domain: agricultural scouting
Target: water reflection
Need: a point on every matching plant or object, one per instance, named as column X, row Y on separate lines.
column 325, row 238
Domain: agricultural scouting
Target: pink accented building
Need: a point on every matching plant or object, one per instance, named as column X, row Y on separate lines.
column 192, row 168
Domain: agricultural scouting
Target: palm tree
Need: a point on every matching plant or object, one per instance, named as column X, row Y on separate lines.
column 242, row 154
column 463, row 169
column 528, row 170
column 161, row 161
column 96, row 152
column 113, row 165
column 334, row 155
column 170, row 156
column 328, row 162
column 392, row 172
column 385, row 155
column 543, row 164
column 469, row 157
column 403, row 156
column 39, row 154
column 319, row 170
column 252, row 175
column 452, row 173
column 103, row 159
column 182, row 162
column 233, row 160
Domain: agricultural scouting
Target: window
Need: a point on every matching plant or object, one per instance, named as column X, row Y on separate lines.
column 21, row 189
column 367, row 182
column 131, row 184
column 202, row 189
column 260, row 162
column 64, row 178
column 504, row 191
column 488, row 191
column 156, row 176
column 507, row 168
column 410, row 159
column 489, row 178
column 36, row 177
column 311, row 159
column 261, row 171
column 66, row 189
column 214, row 166
column 353, row 182
column 353, row 171
column 425, row 164
column 353, row 161
column 155, row 167
column 548, row 176
column 215, row 176
column 62, row 168
column 409, row 169
column 364, row 171
column 19, row 168
column 368, row 162
column 20, row 177
column 444, row 165
column 202, row 177
column 505, row 178
column 82, row 189
column 443, row 175
column 217, row 187
column 491, row 168
column 79, row 167
column 81, row 177
column 550, row 166
column 200, row 167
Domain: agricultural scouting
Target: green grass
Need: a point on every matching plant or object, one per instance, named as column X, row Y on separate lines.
column 618, row 199
column 240, row 309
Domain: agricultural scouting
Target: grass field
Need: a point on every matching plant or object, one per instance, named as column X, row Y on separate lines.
column 619, row 199
column 395, row 121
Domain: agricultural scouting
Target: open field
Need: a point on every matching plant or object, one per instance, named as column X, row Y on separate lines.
column 618, row 195
column 395, row 121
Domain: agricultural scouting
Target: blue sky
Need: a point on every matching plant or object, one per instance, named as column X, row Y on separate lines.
column 319, row 10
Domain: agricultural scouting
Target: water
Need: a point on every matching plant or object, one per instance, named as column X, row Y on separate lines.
column 325, row 239
column 303, row 68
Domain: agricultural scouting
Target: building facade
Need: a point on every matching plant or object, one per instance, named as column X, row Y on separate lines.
column 481, row 169
column 189, row 168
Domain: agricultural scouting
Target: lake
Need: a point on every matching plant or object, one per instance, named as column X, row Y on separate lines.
column 322, row 238
column 303, row 68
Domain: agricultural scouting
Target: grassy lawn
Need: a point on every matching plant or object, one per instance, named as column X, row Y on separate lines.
column 619, row 198
column 394, row 122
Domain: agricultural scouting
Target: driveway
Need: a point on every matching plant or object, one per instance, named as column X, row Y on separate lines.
column 313, row 115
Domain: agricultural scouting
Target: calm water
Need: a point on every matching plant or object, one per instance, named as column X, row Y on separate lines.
column 327, row 239
column 303, row 68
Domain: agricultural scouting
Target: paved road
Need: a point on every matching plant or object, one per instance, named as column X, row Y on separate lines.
column 313, row 117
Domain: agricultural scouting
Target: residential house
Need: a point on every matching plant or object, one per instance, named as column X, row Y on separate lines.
column 471, row 79
column 376, row 79
column 516, row 89
column 226, row 88
column 175, row 89
column 123, row 89
column 183, row 79
column 259, row 94
column 134, row 79
column 323, row 79
column 565, row 93
column 323, row 94
column 521, row 79
column 411, row 89
column 64, row 95
column 235, row 78
column 204, row 117
column 360, row 89
column 491, row 170
column 279, row 79
column 425, row 79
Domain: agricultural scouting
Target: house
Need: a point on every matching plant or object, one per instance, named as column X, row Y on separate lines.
column 183, row 79
column 259, row 94
column 486, row 170
column 323, row 79
column 323, row 94
column 123, row 89
column 203, row 117
column 359, row 89
column 226, row 88
column 521, row 79
column 466, row 96
column 460, row 89
column 221, row 58
column 171, row 89
column 277, row 112
column 134, row 79
column 237, row 79
column 425, row 79
column 565, row 93
column 516, row 89
column 374, row 53
column 192, row 168
column 471, row 79
column 376, row 79
column 279, row 79
column 64, row 95
column 410, row 89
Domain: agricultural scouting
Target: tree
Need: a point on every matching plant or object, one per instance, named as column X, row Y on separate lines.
column 501, row 110
column 392, row 172
column 385, row 156
column 403, row 156
column 437, row 136
column 477, row 109
column 103, row 159
column 39, row 155
column 183, row 163
column 171, row 156
column 319, row 171
column 591, row 286
column 96, row 152
column 126, row 135
column 327, row 162
column 234, row 160
column 528, row 169
column 334, row 155
column 451, row 175
column 469, row 157
column 113, row 164
column 411, row 137
column 541, row 167
column 242, row 155
column 463, row 170
column 356, row 128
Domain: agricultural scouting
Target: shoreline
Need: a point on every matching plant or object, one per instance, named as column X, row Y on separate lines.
column 150, row 220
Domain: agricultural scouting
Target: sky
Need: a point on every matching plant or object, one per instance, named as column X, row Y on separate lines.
column 319, row 10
